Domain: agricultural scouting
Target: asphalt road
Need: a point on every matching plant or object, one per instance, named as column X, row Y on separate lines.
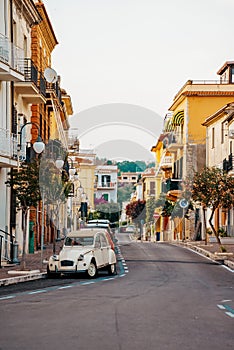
column 164, row 297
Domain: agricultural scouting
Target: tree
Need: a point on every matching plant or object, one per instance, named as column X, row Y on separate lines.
column 25, row 184
column 109, row 211
column 124, row 193
column 167, row 206
column 150, row 208
column 56, row 187
column 214, row 189
column 136, row 210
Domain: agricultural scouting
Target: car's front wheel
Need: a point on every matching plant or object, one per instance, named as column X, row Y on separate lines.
column 112, row 269
column 92, row 270
column 51, row 274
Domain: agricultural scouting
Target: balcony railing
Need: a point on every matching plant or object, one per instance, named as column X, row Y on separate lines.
column 42, row 85
column 104, row 185
column 8, row 143
column 30, row 71
column 171, row 185
column 166, row 162
column 11, row 55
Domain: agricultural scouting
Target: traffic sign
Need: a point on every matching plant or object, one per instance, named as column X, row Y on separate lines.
column 183, row 203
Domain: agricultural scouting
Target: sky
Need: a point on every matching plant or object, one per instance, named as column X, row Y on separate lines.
column 123, row 61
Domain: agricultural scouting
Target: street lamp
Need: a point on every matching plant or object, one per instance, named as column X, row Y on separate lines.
column 38, row 145
column 72, row 170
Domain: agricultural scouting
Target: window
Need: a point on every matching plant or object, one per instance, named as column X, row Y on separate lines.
column 106, row 180
column 103, row 241
column 232, row 74
column 212, row 138
column 222, row 133
column 25, row 47
column 152, row 188
column 105, row 196
column 97, row 242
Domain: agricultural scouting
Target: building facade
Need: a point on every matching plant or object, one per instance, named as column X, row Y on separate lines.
column 181, row 148
column 106, row 182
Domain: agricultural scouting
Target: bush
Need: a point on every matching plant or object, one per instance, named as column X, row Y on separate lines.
column 209, row 231
column 222, row 232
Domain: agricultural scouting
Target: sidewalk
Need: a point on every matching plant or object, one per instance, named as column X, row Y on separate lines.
column 36, row 265
column 212, row 250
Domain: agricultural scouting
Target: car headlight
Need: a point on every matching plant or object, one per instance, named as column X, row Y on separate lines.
column 81, row 257
column 55, row 257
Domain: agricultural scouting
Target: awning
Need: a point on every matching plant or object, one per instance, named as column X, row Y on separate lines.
column 178, row 118
column 168, row 125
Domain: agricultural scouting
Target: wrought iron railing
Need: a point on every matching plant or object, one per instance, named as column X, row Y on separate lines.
column 42, row 85
column 30, row 71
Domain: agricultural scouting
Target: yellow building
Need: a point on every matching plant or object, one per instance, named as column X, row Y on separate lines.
column 184, row 136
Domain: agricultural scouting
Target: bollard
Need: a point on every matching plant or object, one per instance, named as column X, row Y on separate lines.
column 15, row 253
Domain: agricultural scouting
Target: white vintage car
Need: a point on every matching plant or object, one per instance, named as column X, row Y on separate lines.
column 86, row 250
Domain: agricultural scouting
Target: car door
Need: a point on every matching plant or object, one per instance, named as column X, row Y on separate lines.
column 98, row 251
column 104, row 248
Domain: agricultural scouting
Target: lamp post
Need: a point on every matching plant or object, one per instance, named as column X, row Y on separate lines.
column 38, row 147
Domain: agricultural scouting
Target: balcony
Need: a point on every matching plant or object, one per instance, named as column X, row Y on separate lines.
column 33, row 88
column 11, row 61
column 54, row 90
column 175, row 141
column 105, row 185
column 167, row 162
column 171, row 185
column 8, row 149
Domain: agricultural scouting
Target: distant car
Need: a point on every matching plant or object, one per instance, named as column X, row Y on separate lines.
column 102, row 223
column 130, row 229
column 87, row 250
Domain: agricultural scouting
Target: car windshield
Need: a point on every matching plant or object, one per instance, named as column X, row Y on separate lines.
column 78, row 241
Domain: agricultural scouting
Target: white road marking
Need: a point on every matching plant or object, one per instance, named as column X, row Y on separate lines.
column 38, row 291
column 64, row 287
column 7, row 297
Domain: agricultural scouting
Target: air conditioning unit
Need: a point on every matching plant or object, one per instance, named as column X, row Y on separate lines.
column 231, row 134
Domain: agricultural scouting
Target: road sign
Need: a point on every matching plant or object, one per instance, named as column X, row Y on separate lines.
column 156, row 215
column 183, row 203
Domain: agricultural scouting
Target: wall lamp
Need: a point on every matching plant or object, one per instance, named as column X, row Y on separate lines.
column 72, row 170
column 38, row 145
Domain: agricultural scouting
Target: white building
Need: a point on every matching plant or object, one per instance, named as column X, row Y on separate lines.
column 106, row 182
column 16, row 20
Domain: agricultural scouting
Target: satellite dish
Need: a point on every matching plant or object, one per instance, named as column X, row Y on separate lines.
column 183, row 203
column 50, row 75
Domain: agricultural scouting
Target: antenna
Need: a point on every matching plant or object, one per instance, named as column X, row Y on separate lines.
column 50, row 75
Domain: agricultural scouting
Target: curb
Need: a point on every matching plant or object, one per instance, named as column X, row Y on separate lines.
column 208, row 254
column 25, row 278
